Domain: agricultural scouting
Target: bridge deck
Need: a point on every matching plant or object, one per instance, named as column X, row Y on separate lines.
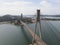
column 37, row 39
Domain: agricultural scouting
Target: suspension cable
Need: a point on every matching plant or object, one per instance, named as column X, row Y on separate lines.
column 34, row 33
column 37, row 20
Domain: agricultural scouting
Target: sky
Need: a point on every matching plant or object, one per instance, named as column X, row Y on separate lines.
column 29, row 7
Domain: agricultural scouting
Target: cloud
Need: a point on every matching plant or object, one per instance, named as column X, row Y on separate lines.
column 25, row 7
column 17, row 7
column 55, row 1
column 49, row 8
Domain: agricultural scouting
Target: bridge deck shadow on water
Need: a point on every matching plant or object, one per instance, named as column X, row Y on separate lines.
column 50, row 33
column 27, row 35
column 38, row 40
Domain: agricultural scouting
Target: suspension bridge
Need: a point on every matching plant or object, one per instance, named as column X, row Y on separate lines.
column 36, row 39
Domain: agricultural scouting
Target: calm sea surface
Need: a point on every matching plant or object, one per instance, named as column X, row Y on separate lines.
column 13, row 35
column 18, row 35
column 50, row 31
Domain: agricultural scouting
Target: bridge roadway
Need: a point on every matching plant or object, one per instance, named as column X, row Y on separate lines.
column 37, row 39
